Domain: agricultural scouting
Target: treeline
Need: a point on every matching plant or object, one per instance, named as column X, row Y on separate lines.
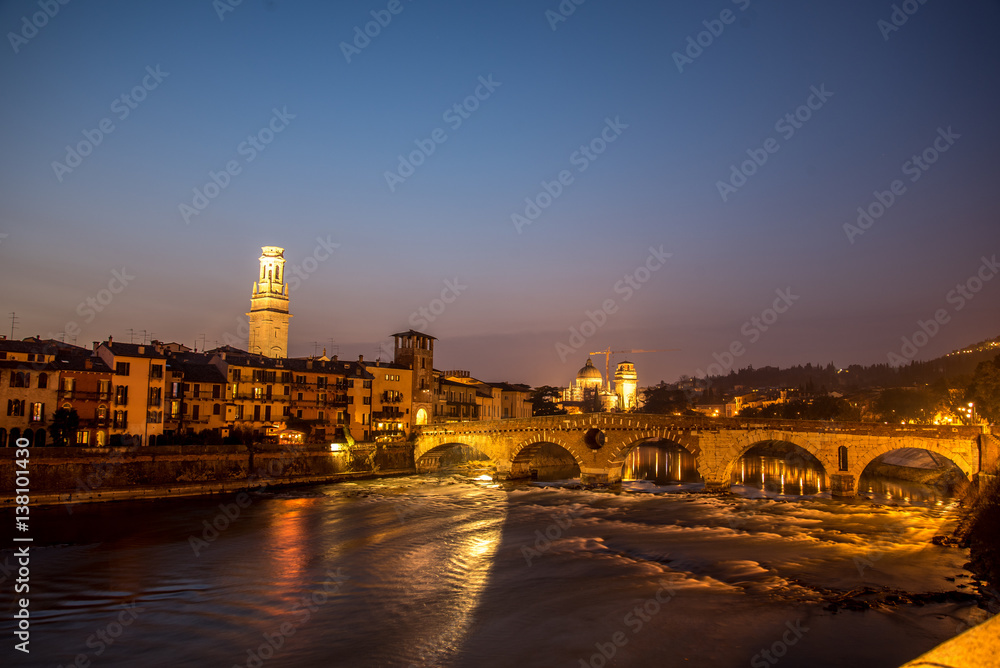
column 810, row 378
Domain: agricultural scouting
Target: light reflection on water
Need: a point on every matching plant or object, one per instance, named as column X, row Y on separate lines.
column 900, row 491
column 660, row 464
column 781, row 475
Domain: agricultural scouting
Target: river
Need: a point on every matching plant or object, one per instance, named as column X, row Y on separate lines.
column 454, row 570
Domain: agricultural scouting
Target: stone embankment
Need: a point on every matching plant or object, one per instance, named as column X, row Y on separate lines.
column 82, row 475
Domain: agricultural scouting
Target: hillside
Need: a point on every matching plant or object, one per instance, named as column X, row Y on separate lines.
column 954, row 368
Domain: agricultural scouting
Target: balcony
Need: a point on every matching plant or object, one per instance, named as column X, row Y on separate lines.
column 78, row 395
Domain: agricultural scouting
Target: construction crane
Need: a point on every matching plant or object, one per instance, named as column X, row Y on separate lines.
column 608, row 353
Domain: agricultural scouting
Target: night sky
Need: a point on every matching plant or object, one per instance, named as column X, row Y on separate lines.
column 621, row 130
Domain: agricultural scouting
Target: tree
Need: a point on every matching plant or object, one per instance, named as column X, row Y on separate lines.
column 902, row 404
column 543, row 401
column 65, row 422
column 663, row 400
column 985, row 390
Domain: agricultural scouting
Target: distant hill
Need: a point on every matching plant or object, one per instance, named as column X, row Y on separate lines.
column 955, row 369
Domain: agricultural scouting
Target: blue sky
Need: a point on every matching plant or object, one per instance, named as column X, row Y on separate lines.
column 552, row 91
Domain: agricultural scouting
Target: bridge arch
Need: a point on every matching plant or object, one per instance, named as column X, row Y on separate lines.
column 443, row 443
column 942, row 448
column 651, row 436
column 678, row 462
column 746, row 442
column 446, row 455
column 522, row 451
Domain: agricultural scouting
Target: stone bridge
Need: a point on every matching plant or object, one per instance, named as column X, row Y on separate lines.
column 600, row 442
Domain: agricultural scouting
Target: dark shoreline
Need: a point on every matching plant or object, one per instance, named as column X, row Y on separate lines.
column 981, row 532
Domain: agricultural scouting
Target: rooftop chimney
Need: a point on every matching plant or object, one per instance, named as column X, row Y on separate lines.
column 361, row 359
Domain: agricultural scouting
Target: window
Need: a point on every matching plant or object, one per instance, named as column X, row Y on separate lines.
column 239, row 412
column 367, row 384
column 216, row 391
column 175, row 410
column 102, row 439
column 20, row 379
column 298, row 414
column 104, row 387
column 156, row 371
column 120, row 420
column 175, row 390
column 69, row 385
column 267, row 413
column 367, row 401
column 321, row 415
column 154, row 417
column 121, row 368
column 37, row 411
column 216, row 409
column 197, row 390
column 258, row 393
column 155, row 396
column 121, row 395
column 321, row 381
column 256, row 413
column 102, row 412
column 195, row 411
column 43, row 380
column 288, row 390
column 83, row 438
column 300, row 380
column 15, row 407
column 235, row 374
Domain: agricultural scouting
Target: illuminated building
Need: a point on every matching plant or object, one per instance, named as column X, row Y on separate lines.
column 626, row 384
column 269, row 306
column 415, row 351
column 588, row 392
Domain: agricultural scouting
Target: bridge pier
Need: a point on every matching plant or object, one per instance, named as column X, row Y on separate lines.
column 717, row 486
column 594, row 477
column 843, row 485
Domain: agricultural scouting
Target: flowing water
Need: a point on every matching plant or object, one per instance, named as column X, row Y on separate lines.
column 452, row 570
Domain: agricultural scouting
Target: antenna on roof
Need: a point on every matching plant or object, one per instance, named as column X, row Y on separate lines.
column 13, row 321
column 130, row 333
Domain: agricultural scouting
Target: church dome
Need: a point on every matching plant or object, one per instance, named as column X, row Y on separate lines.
column 589, row 372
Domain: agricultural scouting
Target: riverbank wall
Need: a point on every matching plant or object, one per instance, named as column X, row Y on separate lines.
column 84, row 475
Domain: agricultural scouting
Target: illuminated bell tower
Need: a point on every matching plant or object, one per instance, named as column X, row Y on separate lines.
column 269, row 306
column 626, row 386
